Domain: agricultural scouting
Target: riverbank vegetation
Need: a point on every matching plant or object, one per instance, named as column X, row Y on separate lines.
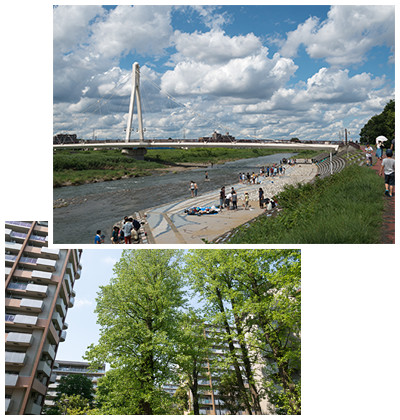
column 343, row 208
column 72, row 167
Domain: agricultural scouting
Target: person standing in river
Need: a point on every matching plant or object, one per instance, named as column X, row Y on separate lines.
column 196, row 189
column 206, row 178
column 192, row 188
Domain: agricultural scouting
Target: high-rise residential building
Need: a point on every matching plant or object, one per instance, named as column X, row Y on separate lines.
column 39, row 290
column 65, row 368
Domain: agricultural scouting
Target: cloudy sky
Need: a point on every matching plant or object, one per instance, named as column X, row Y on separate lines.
column 264, row 71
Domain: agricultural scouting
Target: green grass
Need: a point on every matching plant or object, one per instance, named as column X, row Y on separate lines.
column 78, row 167
column 344, row 208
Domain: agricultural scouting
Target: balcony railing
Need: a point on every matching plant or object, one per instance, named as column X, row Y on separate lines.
column 24, row 224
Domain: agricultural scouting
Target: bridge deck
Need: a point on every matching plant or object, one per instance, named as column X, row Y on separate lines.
column 188, row 145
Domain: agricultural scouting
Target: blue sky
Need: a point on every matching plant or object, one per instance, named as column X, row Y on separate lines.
column 269, row 71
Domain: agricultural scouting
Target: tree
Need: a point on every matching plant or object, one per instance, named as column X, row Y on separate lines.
column 382, row 124
column 193, row 351
column 212, row 275
column 229, row 393
column 74, row 392
column 271, row 282
column 76, row 384
column 139, row 314
column 254, row 295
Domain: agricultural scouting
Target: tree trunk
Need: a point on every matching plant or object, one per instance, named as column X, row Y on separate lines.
column 233, row 354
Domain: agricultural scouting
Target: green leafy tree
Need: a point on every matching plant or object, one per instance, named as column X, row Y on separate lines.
column 139, row 314
column 254, row 295
column 193, row 352
column 77, row 390
column 271, row 282
column 212, row 273
column 229, row 393
column 69, row 405
column 382, row 124
column 76, row 384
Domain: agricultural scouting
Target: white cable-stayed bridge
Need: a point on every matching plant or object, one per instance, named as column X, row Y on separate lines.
column 137, row 148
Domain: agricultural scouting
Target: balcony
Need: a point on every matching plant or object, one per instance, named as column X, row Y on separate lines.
column 49, row 350
column 25, row 320
column 65, row 326
column 19, row 226
column 63, row 335
column 32, row 305
column 8, row 404
column 12, row 246
column 58, row 323
column 71, row 302
column 68, row 283
column 33, row 408
column 15, row 359
column 41, row 275
column 46, row 264
column 7, row 271
column 53, row 378
column 19, row 339
column 37, row 289
column 53, row 254
column 44, row 367
column 60, row 307
column 11, row 379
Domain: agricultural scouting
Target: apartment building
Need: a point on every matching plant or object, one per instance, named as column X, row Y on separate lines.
column 39, row 284
column 65, row 368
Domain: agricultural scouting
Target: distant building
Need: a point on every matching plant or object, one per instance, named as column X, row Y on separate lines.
column 39, row 285
column 65, row 368
column 217, row 137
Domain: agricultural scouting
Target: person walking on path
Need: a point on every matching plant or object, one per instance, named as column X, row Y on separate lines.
column 234, row 200
column 222, row 198
column 388, row 168
column 261, row 197
column 368, row 155
column 379, row 147
column 246, row 200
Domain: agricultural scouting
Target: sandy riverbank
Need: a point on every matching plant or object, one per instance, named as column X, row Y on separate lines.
column 169, row 224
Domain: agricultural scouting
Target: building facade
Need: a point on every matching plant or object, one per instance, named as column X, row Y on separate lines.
column 39, row 290
column 65, row 368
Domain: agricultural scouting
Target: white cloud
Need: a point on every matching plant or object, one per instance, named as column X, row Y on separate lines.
column 346, row 36
column 144, row 29
column 109, row 260
column 80, row 303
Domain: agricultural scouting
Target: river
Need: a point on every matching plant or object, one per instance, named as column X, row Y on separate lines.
column 99, row 205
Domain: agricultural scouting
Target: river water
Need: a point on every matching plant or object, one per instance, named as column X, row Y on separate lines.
column 100, row 205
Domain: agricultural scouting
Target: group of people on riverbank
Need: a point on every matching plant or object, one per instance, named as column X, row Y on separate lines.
column 265, row 171
column 127, row 233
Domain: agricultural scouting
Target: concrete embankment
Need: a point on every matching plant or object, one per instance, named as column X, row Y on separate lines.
column 169, row 224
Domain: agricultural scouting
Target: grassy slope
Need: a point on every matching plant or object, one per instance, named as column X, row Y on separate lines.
column 343, row 208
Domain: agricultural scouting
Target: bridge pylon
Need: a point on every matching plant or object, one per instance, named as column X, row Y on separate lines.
column 135, row 95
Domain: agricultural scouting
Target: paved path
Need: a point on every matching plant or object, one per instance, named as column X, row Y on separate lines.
column 388, row 227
